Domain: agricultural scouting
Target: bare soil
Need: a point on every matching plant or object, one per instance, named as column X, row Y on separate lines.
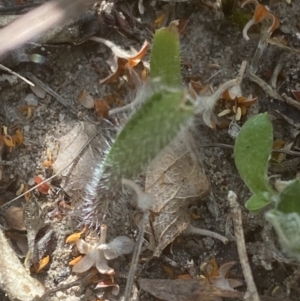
column 209, row 40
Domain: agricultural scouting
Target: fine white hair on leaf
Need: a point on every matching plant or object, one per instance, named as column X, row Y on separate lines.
column 121, row 245
column 144, row 201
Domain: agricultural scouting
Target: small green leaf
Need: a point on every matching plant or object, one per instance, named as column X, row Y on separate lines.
column 259, row 201
column 165, row 57
column 150, row 129
column 287, row 227
column 252, row 151
column 290, row 198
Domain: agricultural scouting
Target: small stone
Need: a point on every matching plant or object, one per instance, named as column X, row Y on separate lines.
column 31, row 100
column 38, row 91
column 61, row 116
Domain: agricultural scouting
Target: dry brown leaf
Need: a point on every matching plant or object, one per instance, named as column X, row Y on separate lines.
column 9, row 141
column 102, row 108
column 159, row 20
column 175, row 180
column 121, row 61
column 44, row 188
column 75, row 236
column 169, row 271
column 185, row 290
column 42, row 263
column 296, row 94
column 18, row 137
column 75, row 260
column 74, row 180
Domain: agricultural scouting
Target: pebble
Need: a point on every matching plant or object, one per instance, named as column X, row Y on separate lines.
column 31, row 100
column 38, row 91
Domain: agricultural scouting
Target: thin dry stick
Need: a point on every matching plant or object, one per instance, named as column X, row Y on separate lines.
column 193, row 230
column 144, row 202
column 16, row 74
column 38, row 20
column 251, row 294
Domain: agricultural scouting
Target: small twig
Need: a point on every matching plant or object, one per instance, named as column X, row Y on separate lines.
column 38, row 20
column 144, row 202
column 194, row 230
column 251, row 294
column 268, row 89
column 277, row 70
column 16, row 74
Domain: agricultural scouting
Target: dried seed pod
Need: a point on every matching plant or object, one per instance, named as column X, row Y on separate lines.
column 14, row 218
column 86, row 99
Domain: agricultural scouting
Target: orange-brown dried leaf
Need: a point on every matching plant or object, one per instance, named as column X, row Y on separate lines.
column 18, row 137
column 260, row 13
column 134, row 60
column 102, row 108
column 226, row 95
column 75, row 260
column 182, row 25
column 169, row 271
column 43, row 188
column 75, row 236
column 27, row 196
column 42, row 263
column 9, row 141
column 296, row 94
column 184, row 276
column 48, row 163
column 159, row 20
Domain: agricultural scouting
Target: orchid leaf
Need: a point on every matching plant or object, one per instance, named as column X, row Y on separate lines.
column 287, row 227
column 165, row 56
column 290, row 198
column 150, row 129
column 252, row 151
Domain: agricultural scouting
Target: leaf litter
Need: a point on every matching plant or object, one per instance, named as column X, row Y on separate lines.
column 87, row 171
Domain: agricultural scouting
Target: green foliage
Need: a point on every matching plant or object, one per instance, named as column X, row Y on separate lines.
column 252, row 151
column 287, row 227
column 159, row 118
column 290, row 198
column 165, row 57
column 150, row 129
column 259, row 201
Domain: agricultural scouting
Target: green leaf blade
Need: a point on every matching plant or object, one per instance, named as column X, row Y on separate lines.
column 165, row 57
column 287, row 227
column 259, row 201
column 290, row 198
column 150, row 129
column 252, row 151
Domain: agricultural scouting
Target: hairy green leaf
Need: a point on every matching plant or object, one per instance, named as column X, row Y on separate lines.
column 290, row 198
column 259, row 201
column 287, row 227
column 165, row 57
column 150, row 129
column 252, row 151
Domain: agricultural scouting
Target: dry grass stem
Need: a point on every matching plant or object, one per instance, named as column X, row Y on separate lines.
column 251, row 294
